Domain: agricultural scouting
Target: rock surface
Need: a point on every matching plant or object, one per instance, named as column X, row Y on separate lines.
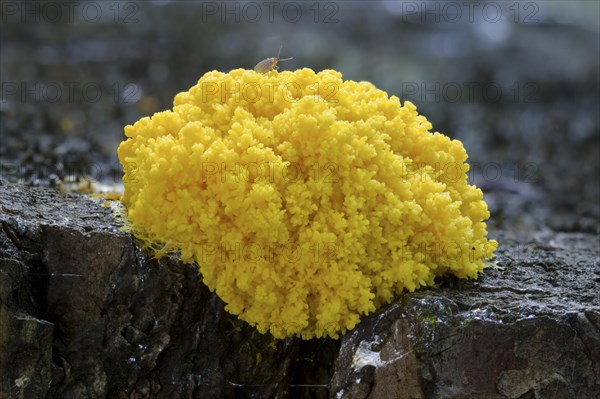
column 85, row 313
column 528, row 330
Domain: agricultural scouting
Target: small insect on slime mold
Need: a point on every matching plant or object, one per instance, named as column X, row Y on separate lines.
column 269, row 64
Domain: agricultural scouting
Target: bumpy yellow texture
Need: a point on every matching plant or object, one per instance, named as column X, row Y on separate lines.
column 306, row 200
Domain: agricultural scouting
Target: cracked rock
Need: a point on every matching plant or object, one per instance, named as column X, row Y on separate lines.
column 85, row 313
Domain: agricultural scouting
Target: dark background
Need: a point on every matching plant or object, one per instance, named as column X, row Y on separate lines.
column 517, row 82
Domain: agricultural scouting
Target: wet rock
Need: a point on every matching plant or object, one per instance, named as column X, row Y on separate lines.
column 528, row 328
column 25, row 340
column 85, row 313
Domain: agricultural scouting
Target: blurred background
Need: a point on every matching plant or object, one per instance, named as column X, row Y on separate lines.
column 516, row 81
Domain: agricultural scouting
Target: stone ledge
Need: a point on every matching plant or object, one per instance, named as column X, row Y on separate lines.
column 85, row 313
